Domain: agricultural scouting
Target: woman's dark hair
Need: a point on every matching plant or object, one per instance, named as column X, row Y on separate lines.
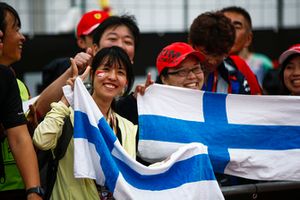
column 271, row 84
column 114, row 55
column 284, row 89
column 115, row 21
column 163, row 73
column 4, row 9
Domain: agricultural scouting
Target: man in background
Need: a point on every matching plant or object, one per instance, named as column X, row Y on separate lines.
column 259, row 63
column 84, row 34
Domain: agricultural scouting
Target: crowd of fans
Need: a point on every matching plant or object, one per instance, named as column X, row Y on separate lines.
column 216, row 57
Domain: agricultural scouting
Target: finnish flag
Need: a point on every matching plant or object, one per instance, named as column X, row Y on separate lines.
column 186, row 174
column 255, row 137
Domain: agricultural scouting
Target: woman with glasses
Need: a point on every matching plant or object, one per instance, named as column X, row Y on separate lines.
column 178, row 64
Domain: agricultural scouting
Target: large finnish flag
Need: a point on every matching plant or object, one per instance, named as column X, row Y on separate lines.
column 256, row 137
column 186, row 174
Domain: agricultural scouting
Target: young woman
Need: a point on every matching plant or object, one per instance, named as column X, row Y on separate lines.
column 111, row 76
column 178, row 64
column 290, row 70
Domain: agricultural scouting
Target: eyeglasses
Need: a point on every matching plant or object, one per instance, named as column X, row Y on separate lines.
column 184, row 72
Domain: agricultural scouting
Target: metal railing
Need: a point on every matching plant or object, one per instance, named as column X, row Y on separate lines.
column 254, row 190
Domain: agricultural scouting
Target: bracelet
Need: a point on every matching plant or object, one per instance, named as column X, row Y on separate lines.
column 38, row 190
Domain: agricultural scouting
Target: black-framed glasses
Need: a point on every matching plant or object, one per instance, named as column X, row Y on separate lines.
column 184, row 72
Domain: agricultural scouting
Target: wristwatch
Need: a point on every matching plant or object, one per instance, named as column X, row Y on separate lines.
column 38, row 190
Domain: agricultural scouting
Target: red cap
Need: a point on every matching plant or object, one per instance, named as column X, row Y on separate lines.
column 173, row 54
column 295, row 49
column 89, row 21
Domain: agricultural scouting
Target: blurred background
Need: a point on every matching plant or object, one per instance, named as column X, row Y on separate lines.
column 49, row 26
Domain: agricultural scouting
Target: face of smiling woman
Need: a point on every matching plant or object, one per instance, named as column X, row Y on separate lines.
column 109, row 80
column 188, row 74
column 291, row 75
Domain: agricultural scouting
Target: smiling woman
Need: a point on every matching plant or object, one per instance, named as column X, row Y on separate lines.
column 112, row 72
column 178, row 64
column 111, row 76
column 290, row 70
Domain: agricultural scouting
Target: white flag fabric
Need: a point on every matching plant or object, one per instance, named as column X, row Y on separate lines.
column 256, row 137
column 186, row 174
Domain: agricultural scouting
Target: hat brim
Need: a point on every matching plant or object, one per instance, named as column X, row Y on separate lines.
column 287, row 54
column 197, row 54
column 91, row 29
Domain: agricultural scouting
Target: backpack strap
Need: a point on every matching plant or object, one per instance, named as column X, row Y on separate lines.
column 118, row 133
column 59, row 153
column 64, row 140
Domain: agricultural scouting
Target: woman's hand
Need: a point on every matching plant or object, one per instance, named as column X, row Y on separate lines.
column 71, row 80
column 74, row 68
column 141, row 88
column 83, row 59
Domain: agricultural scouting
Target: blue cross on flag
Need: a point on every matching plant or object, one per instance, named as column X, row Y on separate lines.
column 255, row 137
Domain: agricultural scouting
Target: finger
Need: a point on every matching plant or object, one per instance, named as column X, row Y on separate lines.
column 33, row 113
column 136, row 91
column 140, row 89
column 149, row 81
column 85, row 73
column 89, row 51
column 79, row 62
column 74, row 68
column 82, row 56
column 32, row 108
column 69, row 82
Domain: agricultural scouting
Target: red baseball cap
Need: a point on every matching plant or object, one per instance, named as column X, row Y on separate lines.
column 173, row 54
column 89, row 21
column 295, row 49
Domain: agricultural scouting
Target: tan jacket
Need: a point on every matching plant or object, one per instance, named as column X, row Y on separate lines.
column 46, row 136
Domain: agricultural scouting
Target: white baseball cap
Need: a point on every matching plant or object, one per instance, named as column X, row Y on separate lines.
column 295, row 49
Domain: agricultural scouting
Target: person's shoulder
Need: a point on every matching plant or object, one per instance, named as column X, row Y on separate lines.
column 236, row 58
column 246, row 71
column 5, row 69
column 2, row 67
column 122, row 103
column 6, row 73
column 260, row 56
column 127, row 99
column 239, row 63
